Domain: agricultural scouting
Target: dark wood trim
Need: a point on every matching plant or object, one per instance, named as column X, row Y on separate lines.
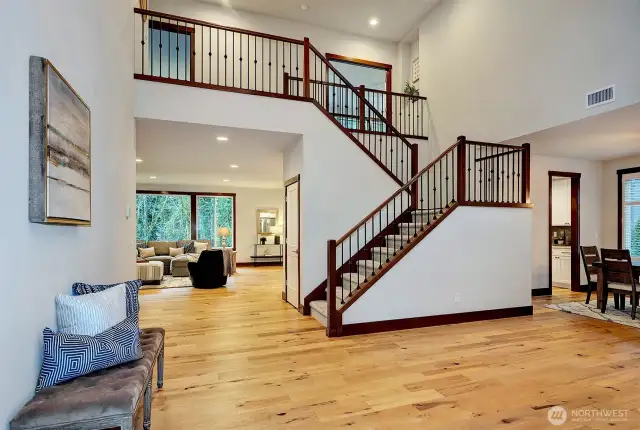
column 461, row 191
column 359, row 61
column 288, row 183
column 435, row 320
column 369, row 90
column 575, row 228
column 284, row 295
column 541, row 292
column 160, row 79
column 162, row 15
column 356, row 141
column 526, row 173
column 382, row 133
column 495, row 145
column 333, row 323
column 318, row 293
column 194, row 217
column 407, row 248
column 488, row 157
column 620, row 173
column 292, row 181
column 498, row 205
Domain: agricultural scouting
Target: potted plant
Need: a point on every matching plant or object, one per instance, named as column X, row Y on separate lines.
column 412, row 92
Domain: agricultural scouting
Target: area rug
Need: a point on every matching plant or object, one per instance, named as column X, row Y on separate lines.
column 590, row 310
column 170, row 282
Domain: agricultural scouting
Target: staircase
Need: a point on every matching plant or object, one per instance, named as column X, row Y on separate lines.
column 238, row 60
column 469, row 173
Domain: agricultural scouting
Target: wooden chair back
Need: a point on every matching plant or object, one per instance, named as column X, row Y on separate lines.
column 617, row 266
column 589, row 255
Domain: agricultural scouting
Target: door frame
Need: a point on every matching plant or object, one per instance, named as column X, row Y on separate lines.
column 575, row 231
column 287, row 183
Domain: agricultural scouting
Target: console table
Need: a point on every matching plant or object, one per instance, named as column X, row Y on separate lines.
column 267, row 254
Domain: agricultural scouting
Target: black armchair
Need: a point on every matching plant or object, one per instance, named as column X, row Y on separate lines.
column 208, row 272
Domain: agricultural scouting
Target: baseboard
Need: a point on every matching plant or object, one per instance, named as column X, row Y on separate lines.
column 541, row 292
column 284, row 296
column 266, row 263
column 434, row 320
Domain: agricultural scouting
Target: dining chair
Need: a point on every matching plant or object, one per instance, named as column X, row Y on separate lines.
column 589, row 255
column 617, row 271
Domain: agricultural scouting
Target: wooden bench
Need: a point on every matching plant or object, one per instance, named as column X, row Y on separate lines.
column 109, row 398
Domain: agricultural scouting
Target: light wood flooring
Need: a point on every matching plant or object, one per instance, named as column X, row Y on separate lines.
column 241, row 358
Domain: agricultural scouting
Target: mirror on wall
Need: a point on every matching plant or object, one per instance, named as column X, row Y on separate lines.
column 267, row 219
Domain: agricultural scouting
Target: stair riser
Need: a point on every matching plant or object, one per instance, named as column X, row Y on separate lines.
column 422, row 218
column 377, row 257
column 410, row 231
column 321, row 318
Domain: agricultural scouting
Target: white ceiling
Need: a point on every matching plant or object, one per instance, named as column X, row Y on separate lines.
column 396, row 18
column 606, row 136
column 180, row 153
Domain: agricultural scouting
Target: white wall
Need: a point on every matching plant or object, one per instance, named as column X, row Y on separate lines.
column 324, row 40
column 591, row 206
column 339, row 185
column 248, row 201
column 498, row 69
column 610, row 198
column 292, row 161
column 89, row 42
column 482, row 254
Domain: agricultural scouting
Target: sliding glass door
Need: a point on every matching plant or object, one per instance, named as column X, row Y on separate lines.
column 213, row 213
column 631, row 213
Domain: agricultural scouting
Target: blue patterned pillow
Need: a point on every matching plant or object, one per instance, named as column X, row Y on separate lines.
column 68, row 356
column 132, row 288
column 190, row 248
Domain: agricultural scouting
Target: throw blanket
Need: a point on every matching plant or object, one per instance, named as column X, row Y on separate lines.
column 226, row 255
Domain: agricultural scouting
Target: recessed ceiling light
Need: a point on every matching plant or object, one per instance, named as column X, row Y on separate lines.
column 152, row 177
column 138, row 160
column 373, row 22
column 304, row 6
column 234, row 166
column 222, row 138
column 225, row 180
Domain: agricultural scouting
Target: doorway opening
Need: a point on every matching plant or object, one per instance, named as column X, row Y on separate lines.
column 291, row 292
column 564, row 231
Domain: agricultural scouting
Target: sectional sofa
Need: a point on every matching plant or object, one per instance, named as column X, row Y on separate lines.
column 179, row 268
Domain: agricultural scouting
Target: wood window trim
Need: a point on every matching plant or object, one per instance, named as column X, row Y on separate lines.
column 194, row 218
column 621, row 173
column 179, row 29
column 359, row 61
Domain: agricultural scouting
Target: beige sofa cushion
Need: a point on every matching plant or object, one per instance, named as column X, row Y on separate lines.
column 174, row 252
column 147, row 252
column 162, row 247
column 200, row 247
column 208, row 242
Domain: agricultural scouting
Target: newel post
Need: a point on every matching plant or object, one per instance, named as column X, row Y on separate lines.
column 461, row 189
column 306, row 80
column 332, row 281
column 414, row 172
column 526, row 173
column 362, row 108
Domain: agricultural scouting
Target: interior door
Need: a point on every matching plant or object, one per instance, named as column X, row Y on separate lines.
column 292, row 241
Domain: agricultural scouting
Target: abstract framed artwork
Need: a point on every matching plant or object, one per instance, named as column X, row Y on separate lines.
column 59, row 149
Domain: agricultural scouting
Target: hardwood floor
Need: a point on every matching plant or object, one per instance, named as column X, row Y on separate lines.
column 241, row 358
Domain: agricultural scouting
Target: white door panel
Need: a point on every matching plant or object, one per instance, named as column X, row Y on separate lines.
column 291, row 244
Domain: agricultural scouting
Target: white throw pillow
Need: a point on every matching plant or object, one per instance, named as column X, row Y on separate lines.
column 200, row 247
column 174, row 252
column 91, row 314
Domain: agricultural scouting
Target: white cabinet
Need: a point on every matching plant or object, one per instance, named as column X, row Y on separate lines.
column 561, row 202
column 561, row 266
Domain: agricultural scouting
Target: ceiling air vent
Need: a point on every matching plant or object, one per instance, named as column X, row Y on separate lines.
column 601, row 96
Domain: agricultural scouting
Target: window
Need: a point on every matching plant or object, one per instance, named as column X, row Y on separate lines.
column 170, row 50
column 168, row 216
column 631, row 213
column 214, row 212
column 163, row 217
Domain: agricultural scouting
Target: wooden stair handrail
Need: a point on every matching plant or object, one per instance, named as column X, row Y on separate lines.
column 357, row 92
column 163, row 15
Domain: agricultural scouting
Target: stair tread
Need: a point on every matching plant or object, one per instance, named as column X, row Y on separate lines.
column 412, row 224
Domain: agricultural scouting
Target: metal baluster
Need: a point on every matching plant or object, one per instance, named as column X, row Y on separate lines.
column 342, row 276
column 350, row 260
column 435, row 198
column 142, row 43
column 421, row 203
column 240, row 60
column 202, row 54
column 269, row 65
column 210, row 54
column 225, row 58
column 502, row 171
column 519, row 183
column 440, row 183
column 446, row 178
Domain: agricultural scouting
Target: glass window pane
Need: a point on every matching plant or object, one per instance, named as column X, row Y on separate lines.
column 163, row 217
column 631, row 215
column 167, row 61
column 214, row 212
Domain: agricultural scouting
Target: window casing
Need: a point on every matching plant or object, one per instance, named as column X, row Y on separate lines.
column 630, row 208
